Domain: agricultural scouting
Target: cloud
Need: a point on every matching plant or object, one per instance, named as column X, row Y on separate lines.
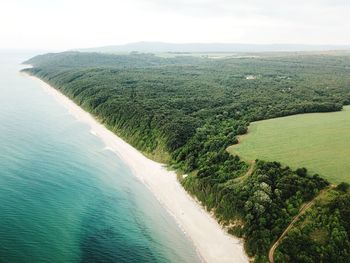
column 236, row 7
column 86, row 23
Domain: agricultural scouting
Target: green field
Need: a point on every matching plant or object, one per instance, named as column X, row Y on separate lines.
column 319, row 142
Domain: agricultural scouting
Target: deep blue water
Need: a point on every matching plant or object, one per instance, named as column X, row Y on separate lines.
column 63, row 196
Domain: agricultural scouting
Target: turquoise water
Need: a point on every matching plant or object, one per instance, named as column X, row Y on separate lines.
column 63, row 196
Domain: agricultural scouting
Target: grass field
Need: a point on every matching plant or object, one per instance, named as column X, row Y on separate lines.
column 319, row 142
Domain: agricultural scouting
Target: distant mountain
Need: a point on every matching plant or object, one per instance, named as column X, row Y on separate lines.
column 160, row 47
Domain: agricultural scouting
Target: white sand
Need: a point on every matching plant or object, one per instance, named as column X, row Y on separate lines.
column 213, row 244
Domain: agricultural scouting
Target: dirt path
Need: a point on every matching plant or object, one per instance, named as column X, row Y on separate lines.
column 295, row 219
column 247, row 174
column 251, row 169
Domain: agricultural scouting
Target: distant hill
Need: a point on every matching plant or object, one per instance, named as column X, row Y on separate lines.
column 161, row 47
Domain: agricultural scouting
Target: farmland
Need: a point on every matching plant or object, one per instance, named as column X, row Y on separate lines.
column 318, row 141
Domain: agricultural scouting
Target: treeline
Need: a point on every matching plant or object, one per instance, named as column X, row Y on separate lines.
column 78, row 60
column 186, row 111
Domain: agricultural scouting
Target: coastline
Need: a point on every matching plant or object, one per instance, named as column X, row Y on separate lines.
column 211, row 241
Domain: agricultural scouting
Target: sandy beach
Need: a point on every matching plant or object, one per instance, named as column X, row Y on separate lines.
column 212, row 243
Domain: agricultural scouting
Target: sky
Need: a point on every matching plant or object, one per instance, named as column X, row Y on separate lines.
column 69, row 24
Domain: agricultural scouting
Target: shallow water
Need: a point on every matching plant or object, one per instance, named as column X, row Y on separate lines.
column 64, row 197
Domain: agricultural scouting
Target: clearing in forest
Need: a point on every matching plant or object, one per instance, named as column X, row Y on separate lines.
column 319, row 142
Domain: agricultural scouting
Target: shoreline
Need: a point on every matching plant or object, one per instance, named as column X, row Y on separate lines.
column 211, row 241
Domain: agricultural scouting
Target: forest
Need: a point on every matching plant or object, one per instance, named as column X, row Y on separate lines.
column 185, row 111
column 322, row 234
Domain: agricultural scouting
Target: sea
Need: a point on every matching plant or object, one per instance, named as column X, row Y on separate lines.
column 64, row 197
